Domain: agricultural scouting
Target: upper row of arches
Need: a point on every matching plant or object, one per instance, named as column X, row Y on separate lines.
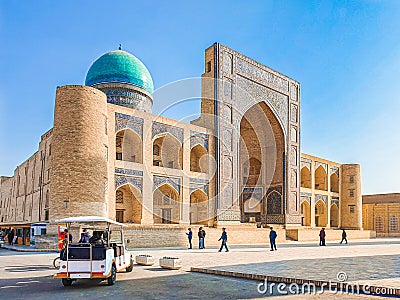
column 321, row 179
column 167, row 151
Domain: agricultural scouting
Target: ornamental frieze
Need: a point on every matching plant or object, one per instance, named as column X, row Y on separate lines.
column 158, row 128
column 259, row 73
column 128, row 172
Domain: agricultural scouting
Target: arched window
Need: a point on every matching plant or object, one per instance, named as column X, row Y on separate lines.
column 394, row 223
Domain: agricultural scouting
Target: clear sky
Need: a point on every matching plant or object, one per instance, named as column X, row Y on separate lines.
column 345, row 54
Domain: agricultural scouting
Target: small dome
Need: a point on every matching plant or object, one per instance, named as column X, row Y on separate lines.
column 120, row 67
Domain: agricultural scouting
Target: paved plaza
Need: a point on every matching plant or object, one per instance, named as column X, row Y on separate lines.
column 376, row 262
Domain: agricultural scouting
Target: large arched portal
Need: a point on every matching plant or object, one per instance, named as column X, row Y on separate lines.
column 128, row 146
column 166, row 205
column 198, row 208
column 128, row 204
column 261, row 152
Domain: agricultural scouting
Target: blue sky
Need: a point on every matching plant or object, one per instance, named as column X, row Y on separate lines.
column 345, row 54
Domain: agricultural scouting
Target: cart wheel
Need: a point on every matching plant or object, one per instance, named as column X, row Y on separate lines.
column 56, row 262
column 66, row 281
column 130, row 268
column 113, row 277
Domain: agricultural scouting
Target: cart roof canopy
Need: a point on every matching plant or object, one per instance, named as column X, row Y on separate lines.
column 89, row 219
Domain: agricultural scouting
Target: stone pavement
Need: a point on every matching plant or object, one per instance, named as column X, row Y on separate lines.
column 372, row 261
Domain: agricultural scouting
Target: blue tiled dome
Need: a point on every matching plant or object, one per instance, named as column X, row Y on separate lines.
column 120, row 67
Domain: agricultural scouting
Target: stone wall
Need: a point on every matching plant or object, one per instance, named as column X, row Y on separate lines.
column 79, row 159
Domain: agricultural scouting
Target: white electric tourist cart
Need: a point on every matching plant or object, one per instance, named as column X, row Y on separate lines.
column 100, row 258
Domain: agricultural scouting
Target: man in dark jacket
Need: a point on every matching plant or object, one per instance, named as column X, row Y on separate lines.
column 344, row 236
column 201, row 234
column 190, row 236
column 272, row 238
column 224, row 239
column 322, row 236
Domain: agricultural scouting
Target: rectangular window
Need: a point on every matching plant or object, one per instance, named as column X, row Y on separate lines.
column 46, row 215
column 352, row 209
column 119, row 156
column 43, row 231
column 351, row 193
column 351, row 179
column 49, row 149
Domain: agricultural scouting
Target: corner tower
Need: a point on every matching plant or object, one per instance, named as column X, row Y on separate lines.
column 123, row 78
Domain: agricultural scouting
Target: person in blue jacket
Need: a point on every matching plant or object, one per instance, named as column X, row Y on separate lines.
column 272, row 238
column 224, row 239
column 190, row 236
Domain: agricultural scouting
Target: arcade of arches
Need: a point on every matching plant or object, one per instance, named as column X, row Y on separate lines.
column 319, row 181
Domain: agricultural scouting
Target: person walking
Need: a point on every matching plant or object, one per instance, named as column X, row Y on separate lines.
column 344, row 236
column 322, row 236
column 11, row 237
column 224, row 239
column 272, row 239
column 190, row 236
column 201, row 234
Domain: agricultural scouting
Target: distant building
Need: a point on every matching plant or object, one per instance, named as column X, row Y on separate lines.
column 240, row 162
column 381, row 213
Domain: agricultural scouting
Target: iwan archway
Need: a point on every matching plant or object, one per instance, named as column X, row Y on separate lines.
column 261, row 165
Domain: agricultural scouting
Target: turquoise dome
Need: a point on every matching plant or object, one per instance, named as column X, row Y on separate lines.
column 120, row 67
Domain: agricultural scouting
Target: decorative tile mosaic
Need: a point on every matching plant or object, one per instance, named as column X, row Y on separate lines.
column 259, row 73
column 159, row 180
column 277, row 101
column 321, row 197
column 128, row 172
column 197, row 138
column 123, row 121
column 137, row 182
column 158, row 128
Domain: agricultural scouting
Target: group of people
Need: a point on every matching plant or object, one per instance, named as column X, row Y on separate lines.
column 272, row 238
column 10, row 234
column 202, row 234
column 85, row 238
column 322, row 237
